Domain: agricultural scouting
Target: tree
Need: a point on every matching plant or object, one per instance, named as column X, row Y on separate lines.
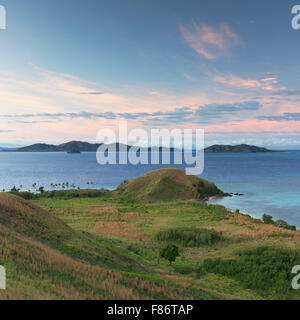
column 267, row 219
column 41, row 189
column 281, row 224
column 170, row 253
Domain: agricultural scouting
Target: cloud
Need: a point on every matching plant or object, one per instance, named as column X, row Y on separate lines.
column 219, row 110
column 238, row 82
column 267, row 85
column 83, row 114
column 208, row 113
column 95, row 93
column 287, row 116
column 208, row 42
column 287, row 92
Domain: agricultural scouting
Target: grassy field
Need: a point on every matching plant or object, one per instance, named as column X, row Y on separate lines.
column 107, row 247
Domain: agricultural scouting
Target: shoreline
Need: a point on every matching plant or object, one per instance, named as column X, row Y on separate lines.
column 230, row 210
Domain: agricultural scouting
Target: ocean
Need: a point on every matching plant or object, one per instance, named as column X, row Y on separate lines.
column 270, row 182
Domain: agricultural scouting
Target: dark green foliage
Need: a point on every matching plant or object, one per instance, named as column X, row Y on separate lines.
column 266, row 270
column 206, row 191
column 280, row 235
column 64, row 194
column 190, row 237
column 169, row 252
column 282, row 224
column 184, row 269
column 41, row 189
column 14, row 189
column 267, row 219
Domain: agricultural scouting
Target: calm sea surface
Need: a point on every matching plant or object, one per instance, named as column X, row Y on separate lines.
column 270, row 182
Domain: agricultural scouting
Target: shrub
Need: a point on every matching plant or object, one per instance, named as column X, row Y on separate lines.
column 170, row 253
column 282, row 224
column 266, row 270
column 267, row 219
column 205, row 191
column 64, row 194
column 279, row 223
column 190, row 237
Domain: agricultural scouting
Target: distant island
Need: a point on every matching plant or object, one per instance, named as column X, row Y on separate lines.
column 79, row 146
column 242, row 148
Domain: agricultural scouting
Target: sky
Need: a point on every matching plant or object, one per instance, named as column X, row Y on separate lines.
column 71, row 68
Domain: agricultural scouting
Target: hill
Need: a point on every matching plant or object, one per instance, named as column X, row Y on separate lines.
column 65, row 147
column 29, row 220
column 244, row 148
column 45, row 258
column 80, row 146
column 108, row 246
column 166, row 185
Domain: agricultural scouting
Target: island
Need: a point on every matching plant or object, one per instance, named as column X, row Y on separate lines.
column 242, row 148
column 81, row 146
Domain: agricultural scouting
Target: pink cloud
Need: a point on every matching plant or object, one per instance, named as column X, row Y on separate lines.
column 209, row 42
column 267, row 83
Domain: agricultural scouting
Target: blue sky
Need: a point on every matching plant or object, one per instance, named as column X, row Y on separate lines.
column 68, row 68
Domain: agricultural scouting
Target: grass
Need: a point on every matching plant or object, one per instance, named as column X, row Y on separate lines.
column 107, row 247
column 266, row 270
column 138, row 226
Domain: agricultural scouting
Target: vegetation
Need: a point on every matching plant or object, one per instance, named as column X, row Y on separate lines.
column 64, row 194
column 190, row 237
column 266, row 270
column 267, row 219
column 170, row 252
column 93, row 244
column 166, row 185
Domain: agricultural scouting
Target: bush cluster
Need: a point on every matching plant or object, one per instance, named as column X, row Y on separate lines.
column 267, row 219
column 190, row 237
column 266, row 270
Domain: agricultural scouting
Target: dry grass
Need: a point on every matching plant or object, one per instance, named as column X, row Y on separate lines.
column 96, row 210
column 119, row 229
column 36, row 271
column 254, row 229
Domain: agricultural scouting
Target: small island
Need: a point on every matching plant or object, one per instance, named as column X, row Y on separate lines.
column 242, row 148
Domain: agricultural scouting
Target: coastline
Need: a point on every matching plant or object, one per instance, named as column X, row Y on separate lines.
column 230, row 210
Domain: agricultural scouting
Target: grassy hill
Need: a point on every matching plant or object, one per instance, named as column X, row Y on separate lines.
column 107, row 246
column 166, row 185
column 47, row 259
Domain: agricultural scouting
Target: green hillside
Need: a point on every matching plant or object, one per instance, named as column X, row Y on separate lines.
column 47, row 259
column 166, row 185
column 108, row 245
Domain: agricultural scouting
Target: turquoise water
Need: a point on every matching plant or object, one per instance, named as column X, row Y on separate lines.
column 270, row 182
